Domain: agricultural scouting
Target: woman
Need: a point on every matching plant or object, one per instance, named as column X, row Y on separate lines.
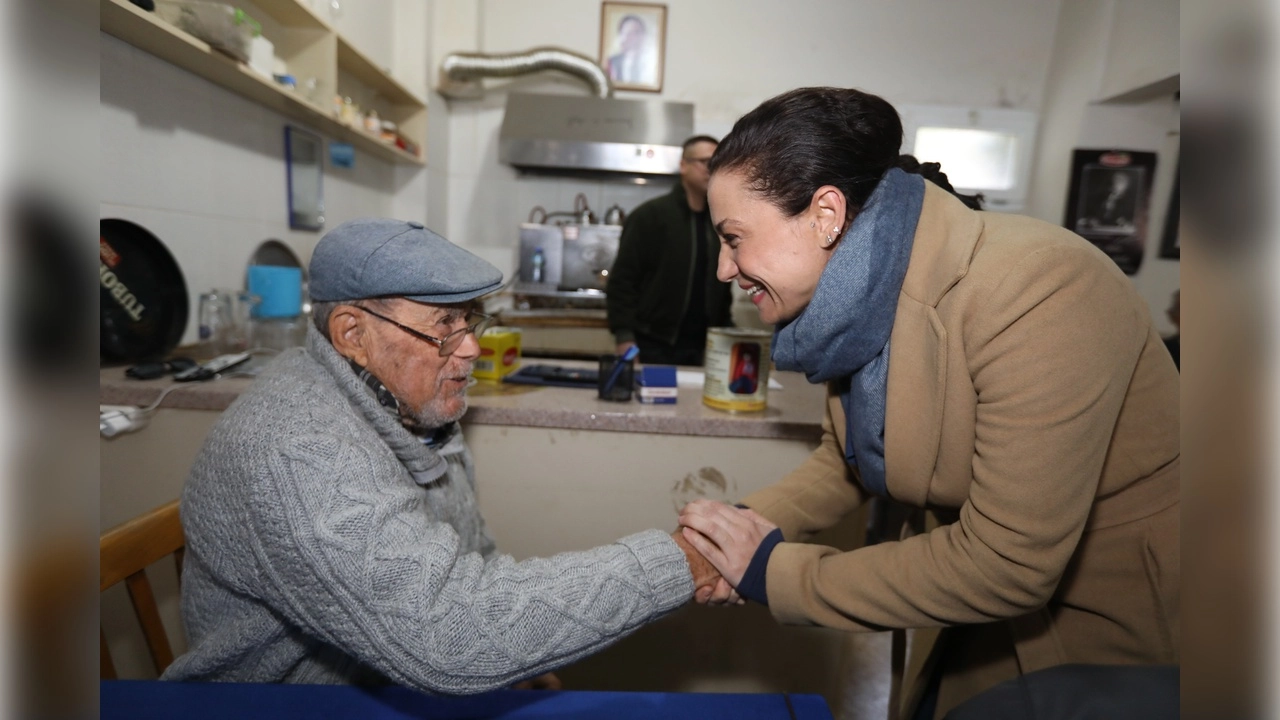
column 995, row 370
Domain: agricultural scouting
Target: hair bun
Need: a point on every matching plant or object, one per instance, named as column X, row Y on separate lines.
column 932, row 171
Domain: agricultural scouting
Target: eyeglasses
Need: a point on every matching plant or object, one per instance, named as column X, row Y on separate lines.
column 449, row 343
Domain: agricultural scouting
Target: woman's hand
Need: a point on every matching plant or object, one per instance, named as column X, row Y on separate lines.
column 726, row 536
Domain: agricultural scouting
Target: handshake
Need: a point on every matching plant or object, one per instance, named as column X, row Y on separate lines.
column 719, row 542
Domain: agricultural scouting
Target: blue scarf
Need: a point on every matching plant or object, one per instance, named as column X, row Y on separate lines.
column 843, row 334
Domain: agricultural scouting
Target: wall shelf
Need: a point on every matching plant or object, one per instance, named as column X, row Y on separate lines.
column 359, row 65
column 323, row 48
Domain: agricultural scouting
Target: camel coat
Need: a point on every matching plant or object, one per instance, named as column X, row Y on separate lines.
column 1033, row 411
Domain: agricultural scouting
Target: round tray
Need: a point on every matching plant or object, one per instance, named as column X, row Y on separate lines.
column 143, row 296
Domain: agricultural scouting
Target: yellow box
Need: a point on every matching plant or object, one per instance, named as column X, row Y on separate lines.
column 499, row 353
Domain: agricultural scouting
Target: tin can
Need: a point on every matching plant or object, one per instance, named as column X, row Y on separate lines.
column 737, row 369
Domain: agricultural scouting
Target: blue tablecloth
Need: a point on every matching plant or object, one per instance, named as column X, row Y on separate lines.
column 147, row 700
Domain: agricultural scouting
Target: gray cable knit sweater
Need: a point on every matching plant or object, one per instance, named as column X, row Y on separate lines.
column 326, row 544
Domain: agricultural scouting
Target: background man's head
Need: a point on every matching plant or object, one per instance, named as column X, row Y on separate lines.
column 396, row 299
column 693, row 163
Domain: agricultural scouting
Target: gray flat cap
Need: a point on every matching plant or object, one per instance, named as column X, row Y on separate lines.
column 378, row 257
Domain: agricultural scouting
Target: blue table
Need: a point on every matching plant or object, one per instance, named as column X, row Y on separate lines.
column 147, row 700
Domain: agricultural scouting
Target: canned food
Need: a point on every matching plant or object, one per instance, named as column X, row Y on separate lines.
column 737, row 369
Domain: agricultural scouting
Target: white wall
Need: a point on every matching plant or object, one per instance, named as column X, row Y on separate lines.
column 725, row 56
column 203, row 169
column 1070, row 119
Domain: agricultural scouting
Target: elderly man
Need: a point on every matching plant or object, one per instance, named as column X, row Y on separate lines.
column 331, row 520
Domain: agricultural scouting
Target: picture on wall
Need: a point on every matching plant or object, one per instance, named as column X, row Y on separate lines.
column 1110, row 200
column 1170, row 247
column 633, row 39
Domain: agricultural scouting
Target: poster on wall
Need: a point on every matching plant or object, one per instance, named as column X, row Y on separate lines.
column 1110, row 202
column 1170, row 246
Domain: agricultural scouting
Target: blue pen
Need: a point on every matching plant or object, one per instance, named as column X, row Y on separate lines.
column 627, row 357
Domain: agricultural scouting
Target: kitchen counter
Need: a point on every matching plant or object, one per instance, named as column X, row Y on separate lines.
column 554, row 317
column 794, row 413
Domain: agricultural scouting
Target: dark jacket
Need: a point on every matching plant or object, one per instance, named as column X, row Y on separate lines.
column 652, row 277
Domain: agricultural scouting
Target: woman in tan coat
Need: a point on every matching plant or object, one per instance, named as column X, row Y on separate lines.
column 994, row 370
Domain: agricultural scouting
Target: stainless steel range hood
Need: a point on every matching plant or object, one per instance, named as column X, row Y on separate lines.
column 562, row 133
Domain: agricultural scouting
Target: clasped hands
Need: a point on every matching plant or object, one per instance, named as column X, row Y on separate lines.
column 719, row 541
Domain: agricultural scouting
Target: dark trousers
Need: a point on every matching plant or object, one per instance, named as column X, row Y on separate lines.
column 1079, row 692
column 684, row 352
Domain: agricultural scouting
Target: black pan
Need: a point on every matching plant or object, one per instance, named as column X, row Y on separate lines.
column 143, row 295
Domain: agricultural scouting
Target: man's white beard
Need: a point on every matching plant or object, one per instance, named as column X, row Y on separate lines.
column 428, row 418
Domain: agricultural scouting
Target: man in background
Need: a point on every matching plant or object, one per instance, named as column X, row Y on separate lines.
column 663, row 293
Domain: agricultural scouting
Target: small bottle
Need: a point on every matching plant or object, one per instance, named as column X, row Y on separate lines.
column 538, row 262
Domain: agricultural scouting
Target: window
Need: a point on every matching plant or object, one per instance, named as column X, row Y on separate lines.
column 984, row 151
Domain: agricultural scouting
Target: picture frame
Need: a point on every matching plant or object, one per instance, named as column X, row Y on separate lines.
column 633, row 41
column 304, row 178
column 1110, row 200
column 1170, row 247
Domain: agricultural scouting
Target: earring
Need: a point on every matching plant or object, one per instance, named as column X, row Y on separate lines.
column 829, row 241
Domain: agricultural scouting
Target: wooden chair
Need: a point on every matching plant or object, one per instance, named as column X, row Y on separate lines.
column 125, row 552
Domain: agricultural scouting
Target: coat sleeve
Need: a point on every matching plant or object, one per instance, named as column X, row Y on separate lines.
column 814, row 496
column 628, row 276
column 1051, row 351
column 363, row 566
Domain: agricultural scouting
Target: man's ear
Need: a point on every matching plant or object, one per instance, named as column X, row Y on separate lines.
column 347, row 332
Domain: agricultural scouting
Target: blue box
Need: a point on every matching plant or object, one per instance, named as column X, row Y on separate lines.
column 657, row 384
column 657, row 376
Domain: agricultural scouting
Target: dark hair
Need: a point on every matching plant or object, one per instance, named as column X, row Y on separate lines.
column 684, row 149
column 932, row 172
column 796, row 142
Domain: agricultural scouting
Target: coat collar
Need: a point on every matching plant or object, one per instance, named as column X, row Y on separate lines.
column 946, row 238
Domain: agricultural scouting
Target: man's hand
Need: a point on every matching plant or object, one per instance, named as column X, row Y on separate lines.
column 545, row 681
column 705, row 576
column 624, row 347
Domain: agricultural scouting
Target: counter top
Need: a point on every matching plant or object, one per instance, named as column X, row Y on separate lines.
column 795, row 412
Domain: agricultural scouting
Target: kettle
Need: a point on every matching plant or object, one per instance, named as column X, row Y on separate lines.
column 614, row 215
column 583, row 211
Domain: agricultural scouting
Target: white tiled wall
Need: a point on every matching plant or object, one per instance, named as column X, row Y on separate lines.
column 983, row 52
column 203, row 170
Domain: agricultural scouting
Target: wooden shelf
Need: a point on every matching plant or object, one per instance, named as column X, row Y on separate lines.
column 363, row 69
column 144, row 30
column 293, row 13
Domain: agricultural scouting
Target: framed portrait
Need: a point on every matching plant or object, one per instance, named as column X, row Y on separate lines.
column 633, row 40
column 1109, row 203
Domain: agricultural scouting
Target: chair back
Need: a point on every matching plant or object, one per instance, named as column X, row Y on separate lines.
column 125, row 552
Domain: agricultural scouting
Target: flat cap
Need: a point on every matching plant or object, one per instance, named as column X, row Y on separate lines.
column 379, row 257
